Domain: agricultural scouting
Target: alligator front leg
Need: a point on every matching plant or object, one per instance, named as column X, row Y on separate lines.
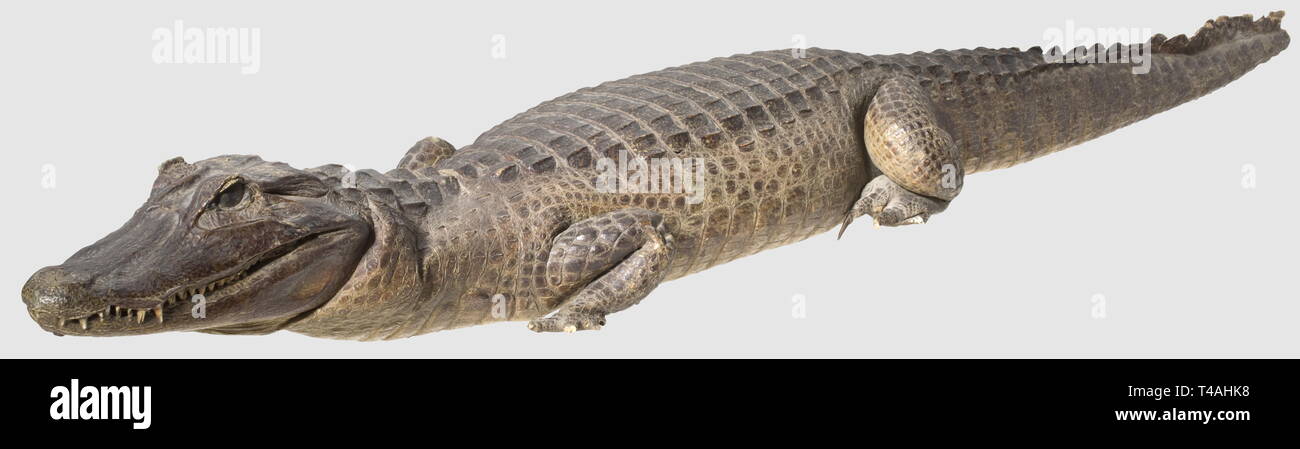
column 921, row 164
column 623, row 254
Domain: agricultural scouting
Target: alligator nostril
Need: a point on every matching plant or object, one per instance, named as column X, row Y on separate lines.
column 48, row 289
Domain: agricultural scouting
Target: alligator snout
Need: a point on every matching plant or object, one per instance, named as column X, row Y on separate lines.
column 65, row 300
column 51, row 289
column 54, row 293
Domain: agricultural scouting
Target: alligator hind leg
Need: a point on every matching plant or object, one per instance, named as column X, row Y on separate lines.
column 623, row 255
column 920, row 163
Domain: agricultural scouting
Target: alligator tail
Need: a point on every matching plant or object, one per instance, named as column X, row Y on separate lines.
column 1182, row 69
column 1090, row 99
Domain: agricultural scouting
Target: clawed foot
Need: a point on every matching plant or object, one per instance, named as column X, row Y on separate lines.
column 568, row 322
column 888, row 204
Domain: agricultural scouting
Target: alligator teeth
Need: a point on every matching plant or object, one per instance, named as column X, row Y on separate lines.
column 140, row 315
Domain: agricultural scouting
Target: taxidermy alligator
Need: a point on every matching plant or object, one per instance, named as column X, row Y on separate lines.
column 541, row 219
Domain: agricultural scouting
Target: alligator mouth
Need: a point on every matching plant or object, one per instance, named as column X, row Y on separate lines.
column 176, row 297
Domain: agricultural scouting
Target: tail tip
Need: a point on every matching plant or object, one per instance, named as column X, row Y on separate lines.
column 1271, row 22
column 1218, row 31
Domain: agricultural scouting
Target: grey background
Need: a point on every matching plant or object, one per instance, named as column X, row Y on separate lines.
column 1153, row 217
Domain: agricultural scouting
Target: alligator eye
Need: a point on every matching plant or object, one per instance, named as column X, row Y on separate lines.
column 230, row 197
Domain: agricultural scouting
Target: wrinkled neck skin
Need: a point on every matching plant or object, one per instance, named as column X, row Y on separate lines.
column 417, row 274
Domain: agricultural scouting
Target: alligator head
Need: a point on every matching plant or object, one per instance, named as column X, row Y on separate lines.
column 232, row 244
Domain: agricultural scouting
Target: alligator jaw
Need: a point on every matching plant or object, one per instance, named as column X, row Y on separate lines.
column 139, row 315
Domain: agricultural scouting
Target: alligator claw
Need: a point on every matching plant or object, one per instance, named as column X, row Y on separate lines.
column 848, row 220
